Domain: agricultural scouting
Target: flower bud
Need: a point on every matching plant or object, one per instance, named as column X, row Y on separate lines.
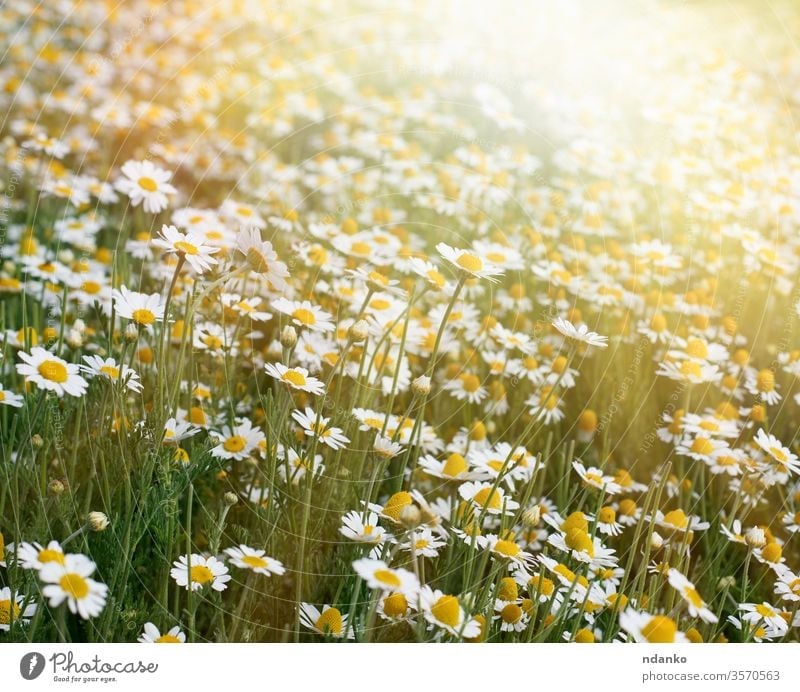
column 421, row 385
column 359, row 330
column 755, row 537
column 726, row 583
column 656, row 541
column 288, row 336
column 230, row 498
column 37, row 442
column 410, row 516
column 531, row 516
column 97, row 521
column 55, row 487
column 131, row 333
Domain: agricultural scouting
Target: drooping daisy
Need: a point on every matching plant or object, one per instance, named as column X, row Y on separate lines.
column 595, row 478
column 8, row 398
column 446, row 611
column 175, row 430
column 678, row 521
column 469, row 262
column 14, row 608
column 329, row 623
column 295, row 378
column 145, row 310
column 697, row 606
column 70, row 581
column 651, row 629
column 261, row 258
column 191, row 246
column 453, row 468
column 109, row 369
column 152, row 635
column 785, row 459
column 581, row 333
column 145, row 183
column 385, row 448
column 50, row 373
column 238, row 441
column 255, row 560
column 378, row 575
column 315, row 426
column 200, row 571
column 305, row 314
column 763, row 614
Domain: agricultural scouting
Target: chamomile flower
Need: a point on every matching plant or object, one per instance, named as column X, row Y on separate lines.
column 70, row 581
column 445, row 611
column 8, row 398
column 487, row 498
column 651, row 629
column 255, row 560
column 362, row 527
column 262, row 258
column 305, row 314
column 190, row 246
column 51, row 373
column 783, row 457
column 152, row 635
column 109, row 369
column 238, row 441
column 424, row 542
column 329, row 623
column 141, row 308
column 697, row 606
column 469, row 262
column 580, row 334
column 378, row 575
column 295, row 378
column 763, row 614
column 317, row 426
column 595, row 478
column 146, row 184
column 200, row 571
column 14, row 608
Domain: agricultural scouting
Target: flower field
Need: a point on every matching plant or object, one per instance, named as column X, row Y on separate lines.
column 399, row 322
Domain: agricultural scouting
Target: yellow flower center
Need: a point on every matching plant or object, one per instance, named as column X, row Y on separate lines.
column 394, row 505
column 148, row 184
column 676, row 518
column 200, row 574
column 436, row 278
column 691, row 368
column 455, row 465
column 511, row 614
column 74, row 585
column 488, row 498
column 7, row 608
column 607, row 515
column 584, row 636
column 702, row 446
column 447, row 610
column 395, row 605
column 469, row 262
column 330, row 622
column 186, row 248
column 143, row 316
column 168, row 639
column 660, row 630
column 765, row 381
column 235, row 443
column 506, row 548
column 111, row 371
column 470, row 383
column 295, row 378
column 579, row 541
column 360, row 248
column 254, row 562
column 772, row 552
column 54, row 371
column 304, row 316
column 765, row 611
column 778, row 454
column 691, row 595
column 385, row 576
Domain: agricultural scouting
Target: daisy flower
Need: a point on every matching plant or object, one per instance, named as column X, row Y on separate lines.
column 594, row 477
column 245, row 557
column 511, row 616
column 395, row 606
column 175, row 430
column 305, row 314
column 378, row 575
column 109, row 369
column 446, row 611
column 8, row 398
column 651, row 629
column 261, row 258
column 466, row 386
column 142, row 308
column 678, row 521
column 787, row 586
column 70, row 581
column 190, row 245
column 581, row 333
column 453, row 468
column 385, row 448
column 152, row 635
column 329, row 623
column 145, row 183
column 697, row 606
column 362, row 527
column 424, row 542
column 50, row 373
column 314, row 426
column 780, row 454
column 763, row 614
column 469, row 262
column 296, row 378
column 200, row 571
column 35, row 556
column 487, row 498
column 237, row 442
column 13, row 607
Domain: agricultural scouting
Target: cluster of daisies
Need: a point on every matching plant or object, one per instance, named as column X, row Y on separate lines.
column 472, row 362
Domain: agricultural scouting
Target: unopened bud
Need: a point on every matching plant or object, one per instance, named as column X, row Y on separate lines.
column 422, row 385
column 726, row 583
column 531, row 516
column 230, row 499
column 55, row 487
column 410, row 516
column 288, row 336
column 359, row 330
column 37, row 442
column 131, row 333
column 74, row 338
column 755, row 537
column 97, row 521
column 656, row 541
